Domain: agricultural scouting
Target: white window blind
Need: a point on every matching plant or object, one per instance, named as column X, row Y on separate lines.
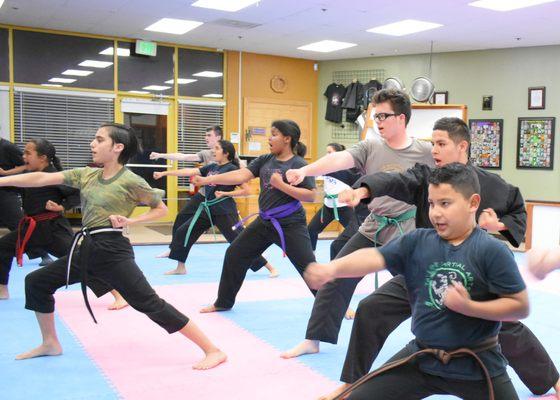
column 68, row 121
column 193, row 120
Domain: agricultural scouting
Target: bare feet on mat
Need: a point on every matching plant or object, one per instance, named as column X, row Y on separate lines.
column 273, row 273
column 336, row 392
column 177, row 271
column 165, row 254
column 557, row 389
column 305, row 347
column 212, row 308
column 4, row 293
column 350, row 314
column 50, row 349
column 212, row 359
column 118, row 304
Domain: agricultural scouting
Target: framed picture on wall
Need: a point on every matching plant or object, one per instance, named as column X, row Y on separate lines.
column 486, row 142
column 536, row 100
column 440, row 97
column 487, row 102
column 535, row 143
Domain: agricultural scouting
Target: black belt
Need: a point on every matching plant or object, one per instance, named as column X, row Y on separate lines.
column 442, row 355
column 85, row 254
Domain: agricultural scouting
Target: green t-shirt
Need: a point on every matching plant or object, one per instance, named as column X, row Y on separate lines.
column 104, row 197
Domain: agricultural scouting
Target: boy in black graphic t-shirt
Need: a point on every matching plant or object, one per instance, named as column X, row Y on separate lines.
column 461, row 282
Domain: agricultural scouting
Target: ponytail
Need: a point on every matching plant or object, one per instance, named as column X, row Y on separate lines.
column 300, row 149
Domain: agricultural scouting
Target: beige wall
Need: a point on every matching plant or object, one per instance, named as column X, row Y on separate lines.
column 505, row 74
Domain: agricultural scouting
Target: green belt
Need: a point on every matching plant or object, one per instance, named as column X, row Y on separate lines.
column 384, row 222
column 332, row 197
column 205, row 205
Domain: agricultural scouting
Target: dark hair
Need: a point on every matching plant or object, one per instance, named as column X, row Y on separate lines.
column 337, row 146
column 125, row 135
column 461, row 177
column 301, row 149
column 399, row 100
column 457, row 129
column 229, row 148
column 45, row 148
column 287, row 127
column 217, row 130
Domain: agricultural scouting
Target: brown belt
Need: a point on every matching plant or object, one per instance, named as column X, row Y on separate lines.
column 442, row 355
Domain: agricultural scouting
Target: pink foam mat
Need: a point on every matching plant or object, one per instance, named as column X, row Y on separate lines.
column 143, row 362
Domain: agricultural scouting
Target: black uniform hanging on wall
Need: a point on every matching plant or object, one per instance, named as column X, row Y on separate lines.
column 335, row 96
column 352, row 101
column 369, row 90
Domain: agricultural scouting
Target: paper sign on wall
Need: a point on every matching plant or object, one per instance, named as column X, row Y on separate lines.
column 254, row 146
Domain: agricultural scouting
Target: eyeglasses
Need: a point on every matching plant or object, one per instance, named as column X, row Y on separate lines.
column 380, row 117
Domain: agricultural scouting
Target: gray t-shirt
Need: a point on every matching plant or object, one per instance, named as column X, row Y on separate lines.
column 206, row 156
column 374, row 155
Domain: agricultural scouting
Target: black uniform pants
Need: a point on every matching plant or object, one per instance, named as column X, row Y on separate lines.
column 333, row 299
column 345, row 214
column 224, row 222
column 385, row 309
column 10, row 209
column 255, row 239
column 410, row 383
column 360, row 213
column 112, row 261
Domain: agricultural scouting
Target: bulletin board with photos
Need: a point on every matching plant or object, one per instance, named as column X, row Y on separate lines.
column 486, row 142
column 535, row 143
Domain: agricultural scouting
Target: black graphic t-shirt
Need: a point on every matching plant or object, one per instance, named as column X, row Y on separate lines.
column 226, row 206
column 335, row 96
column 485, row 267
column 263, row 167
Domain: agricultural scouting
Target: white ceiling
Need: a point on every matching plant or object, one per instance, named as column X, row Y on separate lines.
column 288, row 24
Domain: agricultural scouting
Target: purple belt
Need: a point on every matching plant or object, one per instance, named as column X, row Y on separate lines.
column 273, row 215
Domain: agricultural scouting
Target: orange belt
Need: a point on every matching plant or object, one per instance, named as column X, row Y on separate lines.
column 31, row 221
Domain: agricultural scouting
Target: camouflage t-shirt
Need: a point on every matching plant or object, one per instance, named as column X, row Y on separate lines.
column 118, row 195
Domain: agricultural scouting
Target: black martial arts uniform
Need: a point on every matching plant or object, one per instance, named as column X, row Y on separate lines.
column 262, row 233
column 10, row 202
column 385, row 309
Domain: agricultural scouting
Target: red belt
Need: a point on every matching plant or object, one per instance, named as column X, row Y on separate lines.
column 32, row 223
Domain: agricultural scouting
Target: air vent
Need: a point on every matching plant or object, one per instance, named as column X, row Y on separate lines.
column 231, row 23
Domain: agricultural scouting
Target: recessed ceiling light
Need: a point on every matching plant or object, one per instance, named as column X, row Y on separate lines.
column 224, row 5
column 50, row 84
column 405, row 27
column 181, row 81
column 326, row 46
column 156, row 87
column 174, row 26
column 62, row 80
column 209, row 74
column 120, row 52
column 214, row 95
column 77, row 72
column 138, row 92
column 507, row 5
column 95, row 64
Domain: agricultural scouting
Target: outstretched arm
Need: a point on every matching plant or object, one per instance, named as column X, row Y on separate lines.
column 354, row 265
column 330, row 163
column 177, row 172
column 33, row 179
column 298, row 193
column 243, row 190
column 236, row 177
column 175, row 156
column 16, row 170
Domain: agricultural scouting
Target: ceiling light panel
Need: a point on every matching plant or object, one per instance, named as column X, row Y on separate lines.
column 326, row 46
column 181, row 81
column 405, row 27
column 209, row 74
column 173, row 26
column 95, row 64
column 77, row 72
column 224, row 5
column 120, row 52
column 213, row 95
column 507, row 5
column 62, row 80
column 156, row 87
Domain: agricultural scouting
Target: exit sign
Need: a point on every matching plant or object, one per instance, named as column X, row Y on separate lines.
column 146, row 48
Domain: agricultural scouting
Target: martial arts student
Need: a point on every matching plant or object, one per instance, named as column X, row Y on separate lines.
column 281, row 219
column 388, row 218
column 216, row 207
column 462, row 282
column 502, row 210
column 332, row 209
column 109, row 195
column 541, row 262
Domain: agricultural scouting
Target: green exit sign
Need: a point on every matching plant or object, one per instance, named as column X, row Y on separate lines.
column 146, row 48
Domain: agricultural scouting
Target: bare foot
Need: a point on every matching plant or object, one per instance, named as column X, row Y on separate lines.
column 177, row 271
column 305, row 347
column 212, row 308
column 212, row 359
column 273, row 273
column 557, row 389
column 332, row 395
column 165, row 254
column 350, row 314
column 118, row 304
column 4, row 293
column 53, row 349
